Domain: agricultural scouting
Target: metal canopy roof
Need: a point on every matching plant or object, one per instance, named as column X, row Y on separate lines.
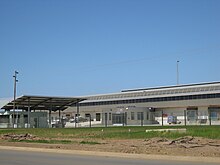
column 42, row 103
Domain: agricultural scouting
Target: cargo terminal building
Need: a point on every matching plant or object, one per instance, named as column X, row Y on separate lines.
column 181, row 104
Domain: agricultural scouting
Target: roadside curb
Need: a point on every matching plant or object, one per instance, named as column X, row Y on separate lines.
column 117, row 155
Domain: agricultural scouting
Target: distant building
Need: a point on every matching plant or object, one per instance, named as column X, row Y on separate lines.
column 186, row 104
column 181, row 104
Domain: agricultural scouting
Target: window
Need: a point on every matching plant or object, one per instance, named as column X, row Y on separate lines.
column 4, row 119
column 147, row 115
column 132, row 115
column 192, row 113
column 76, row 115
column 87, row 115
column 98, row 117
column 118, row 118
column 110, row 116
column 156, row 99
column 140, row 116
column 214, row 113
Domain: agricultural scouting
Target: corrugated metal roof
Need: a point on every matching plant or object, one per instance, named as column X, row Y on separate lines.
column 42, row 103
column 180, row 90
column 172, row 86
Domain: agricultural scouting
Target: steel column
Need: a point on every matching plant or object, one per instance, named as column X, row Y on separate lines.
column 28, row 113
column 77, row 115
column 15, row 82
column 185, row 117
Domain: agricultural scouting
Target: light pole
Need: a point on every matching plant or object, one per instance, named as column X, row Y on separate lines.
column 15, row 82
column 177, row 72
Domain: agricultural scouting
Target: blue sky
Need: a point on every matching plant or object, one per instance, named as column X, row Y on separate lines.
column 84, row 47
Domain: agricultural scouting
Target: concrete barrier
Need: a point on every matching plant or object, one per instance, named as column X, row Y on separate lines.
column 181, row 130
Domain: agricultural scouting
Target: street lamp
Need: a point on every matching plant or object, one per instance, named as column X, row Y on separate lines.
column 15, row 82
column 177, row 72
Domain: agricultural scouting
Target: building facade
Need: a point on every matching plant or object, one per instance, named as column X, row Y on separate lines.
column 182, row 104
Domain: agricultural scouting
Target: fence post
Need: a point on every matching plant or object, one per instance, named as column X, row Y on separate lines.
column 185, row 117
column 126, row 118
column 106, row 117
column 50, row 125
column 29, row 112
column 123, row 119
column 142, row 118
column 162, row 116
column 90, row 122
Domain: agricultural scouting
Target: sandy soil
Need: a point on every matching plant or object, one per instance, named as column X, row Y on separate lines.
column 185, row 146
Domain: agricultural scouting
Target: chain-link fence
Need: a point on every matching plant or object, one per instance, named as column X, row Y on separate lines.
column 159, row 118
column 187, row 117
column 109, row 119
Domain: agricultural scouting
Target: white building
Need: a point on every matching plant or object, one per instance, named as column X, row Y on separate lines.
column 181, row 104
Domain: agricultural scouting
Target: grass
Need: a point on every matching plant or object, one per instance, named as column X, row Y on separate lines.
column 88, row 135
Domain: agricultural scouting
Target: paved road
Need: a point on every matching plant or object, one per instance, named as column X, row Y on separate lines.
column 10, row 157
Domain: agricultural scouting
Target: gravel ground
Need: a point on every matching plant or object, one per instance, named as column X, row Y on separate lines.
column 185, row 146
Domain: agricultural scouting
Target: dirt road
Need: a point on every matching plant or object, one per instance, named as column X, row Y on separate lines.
column 185, row 146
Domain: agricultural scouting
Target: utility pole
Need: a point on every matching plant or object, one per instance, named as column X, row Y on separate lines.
column 177, row 72
column 15, row 82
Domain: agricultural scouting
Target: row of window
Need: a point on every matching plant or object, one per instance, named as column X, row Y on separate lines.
column 156, row 99
column 191, row 115
column 139, row 116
